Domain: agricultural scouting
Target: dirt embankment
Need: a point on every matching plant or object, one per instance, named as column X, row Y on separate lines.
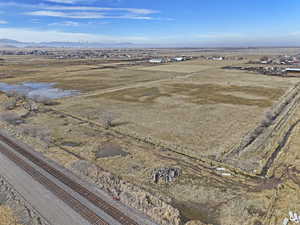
column 158, row 208
column 260, row 147
column 14, row 210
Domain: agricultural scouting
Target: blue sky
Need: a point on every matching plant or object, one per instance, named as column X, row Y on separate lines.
column 161, row 22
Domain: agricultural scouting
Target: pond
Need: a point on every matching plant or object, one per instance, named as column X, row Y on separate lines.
column 31, row 89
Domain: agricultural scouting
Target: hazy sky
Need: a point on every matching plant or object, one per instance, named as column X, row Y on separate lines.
column 164, row 22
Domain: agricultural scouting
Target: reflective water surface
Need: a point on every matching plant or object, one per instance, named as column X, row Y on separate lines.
column 31, row 89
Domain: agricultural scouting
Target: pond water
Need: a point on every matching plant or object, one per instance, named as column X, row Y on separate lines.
column 31, row 89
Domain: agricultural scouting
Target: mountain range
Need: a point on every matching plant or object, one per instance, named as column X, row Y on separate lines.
column 9, row 43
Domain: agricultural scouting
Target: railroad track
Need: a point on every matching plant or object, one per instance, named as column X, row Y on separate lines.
column 75, row 204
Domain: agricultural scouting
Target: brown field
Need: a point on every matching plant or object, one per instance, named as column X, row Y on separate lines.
column 186, row 115
column 233, row 100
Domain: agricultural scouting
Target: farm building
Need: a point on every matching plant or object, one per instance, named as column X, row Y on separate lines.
column 178, row 59
column 292, row 70
column 160, row 60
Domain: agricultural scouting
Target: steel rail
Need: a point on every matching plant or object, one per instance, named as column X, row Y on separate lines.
column 90, row 196
column 75, row 204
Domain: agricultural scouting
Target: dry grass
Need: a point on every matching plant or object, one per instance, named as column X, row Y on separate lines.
column 217, row 94
column 196, row 108
column 208, row 112
column 174, row 110
column 192, row 66
column 134, row 95
column 159, row 104
column 180, row 67
column 7, row 217
column 84, row 78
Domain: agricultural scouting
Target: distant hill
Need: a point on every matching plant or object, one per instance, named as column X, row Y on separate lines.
column 6, row 43
column 9, row 41
column 7, row 46
column 14, row 43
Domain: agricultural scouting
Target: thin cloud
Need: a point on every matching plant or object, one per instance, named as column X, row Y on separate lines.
column 76, row 24
column 69, row 1
column 84, row 12
column 88, row 8
column 3, row 22
column 36, row 21
column 85, row 15
column 78, row 8
column 22, row 34
column 77, row 15
column 65, row 23
column 63, row 1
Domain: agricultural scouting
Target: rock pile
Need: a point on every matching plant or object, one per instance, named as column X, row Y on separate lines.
column 166, row 174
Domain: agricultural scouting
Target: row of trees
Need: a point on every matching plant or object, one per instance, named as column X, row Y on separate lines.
column 32, row 105
column 106, row 118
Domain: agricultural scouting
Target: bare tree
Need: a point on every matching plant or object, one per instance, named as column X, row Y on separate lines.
column 29, row 130
column 264, row 58
column 46, row 137
column 18, row 95
column 31, row 106
column 11, row 93
column 42, row 133
column 10, row 104
column 43, row 100
column 107, row 119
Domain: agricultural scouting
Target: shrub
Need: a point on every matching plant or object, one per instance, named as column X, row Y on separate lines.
column 269, row 118
column 107, row 119
column 31, row 106
column 43, row 100
column 11, row 118
column 18, row 95
column 10, row 104
column 11, row 93
column 42, row 133
column 109, row 150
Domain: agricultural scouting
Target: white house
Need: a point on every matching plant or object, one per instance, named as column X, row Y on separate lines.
column 293, row 70
column 218, row 58
column 160, row 60
column 178, row 59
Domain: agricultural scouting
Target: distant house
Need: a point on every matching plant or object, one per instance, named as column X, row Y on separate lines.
column 178, row 59
column 160, row 60
column 218, row 58
column 292, row 70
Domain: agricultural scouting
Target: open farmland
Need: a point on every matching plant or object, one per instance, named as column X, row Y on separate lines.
column 197, row 101
column 192, row 115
